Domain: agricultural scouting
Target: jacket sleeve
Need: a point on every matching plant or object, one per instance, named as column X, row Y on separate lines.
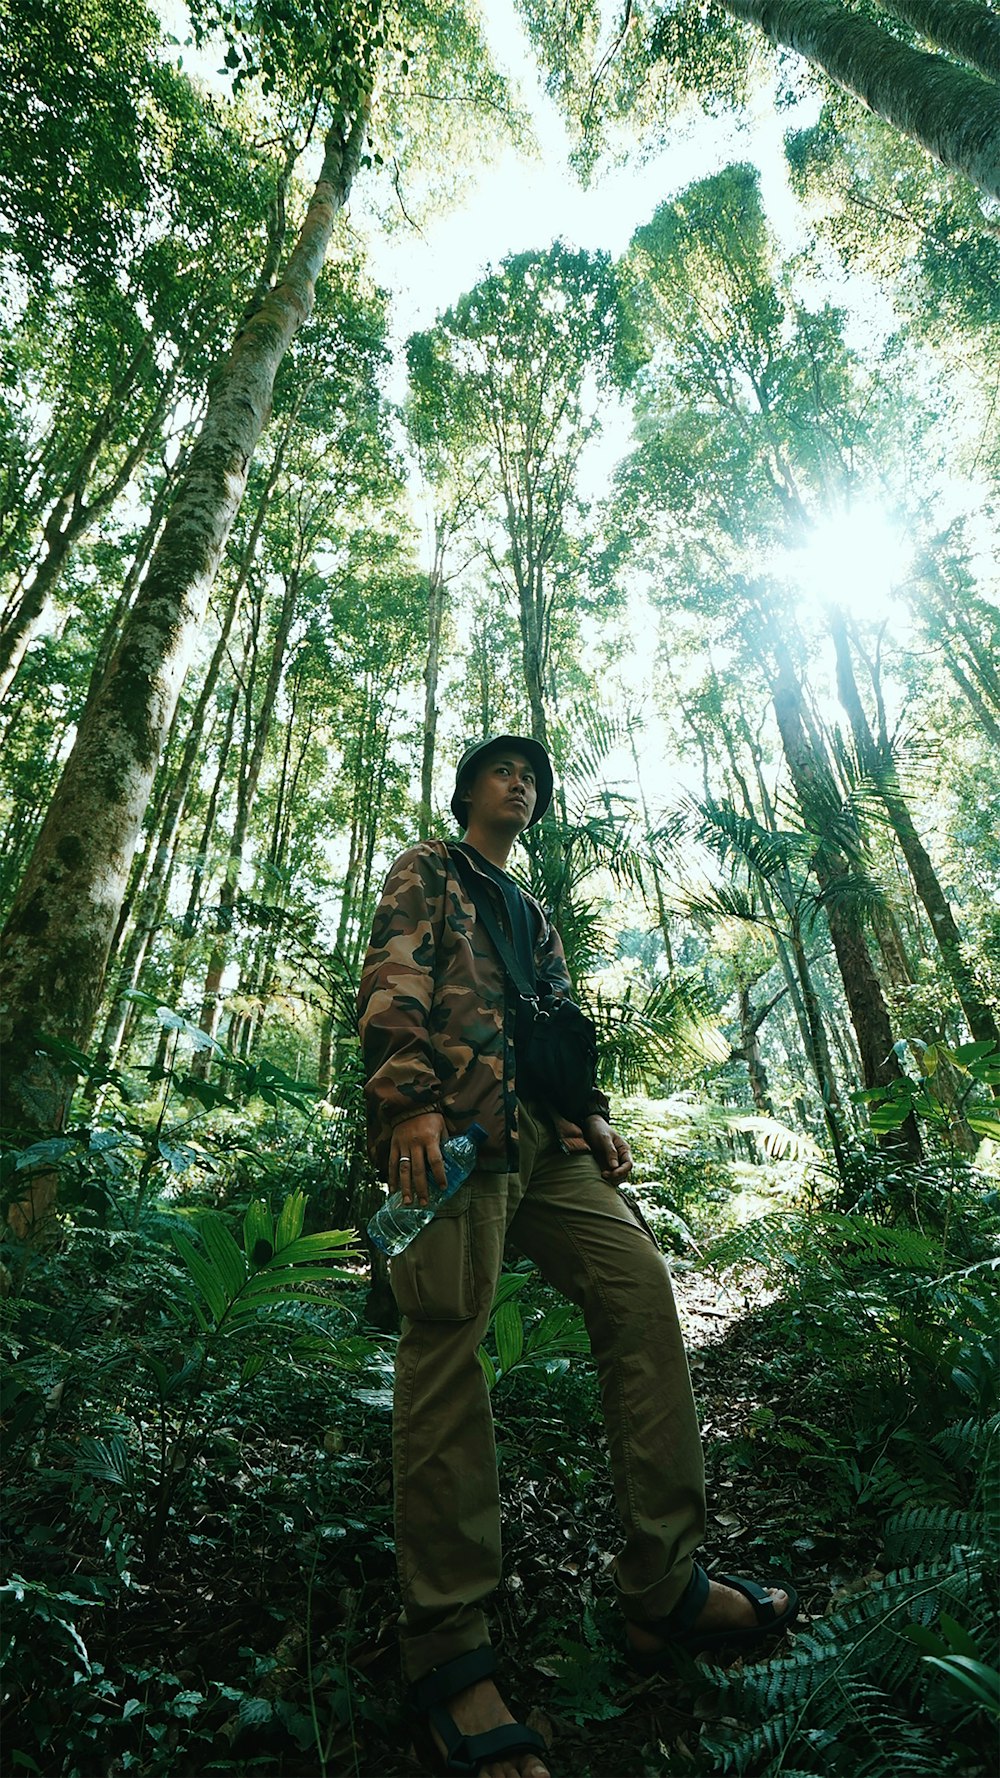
column 397, row 987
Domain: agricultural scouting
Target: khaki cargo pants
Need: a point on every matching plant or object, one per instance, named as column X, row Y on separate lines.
column 588, row 1244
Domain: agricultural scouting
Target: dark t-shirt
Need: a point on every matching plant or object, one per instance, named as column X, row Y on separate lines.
column 520, row 930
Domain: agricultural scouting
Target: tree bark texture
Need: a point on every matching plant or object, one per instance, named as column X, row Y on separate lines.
column 965, row 29
column 60, row 927
column 151, row 903
column 951, row 112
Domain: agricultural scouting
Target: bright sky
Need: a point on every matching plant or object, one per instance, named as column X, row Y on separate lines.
column 516, row 203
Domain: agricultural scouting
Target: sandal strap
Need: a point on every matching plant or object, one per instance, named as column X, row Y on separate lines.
column 687, row 1611
column 467, row 1754
column 759, row 1597
column 451, row 1677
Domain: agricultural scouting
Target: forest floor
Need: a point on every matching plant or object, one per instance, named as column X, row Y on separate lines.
column 554, row 1621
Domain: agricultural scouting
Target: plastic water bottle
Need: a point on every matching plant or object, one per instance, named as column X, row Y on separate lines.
column 396, row 1224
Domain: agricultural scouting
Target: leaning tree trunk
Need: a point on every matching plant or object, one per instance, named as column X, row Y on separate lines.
column 979, row 1016
column 964, row 28
column 862, row 988
column 60, row 927
column 948, row 110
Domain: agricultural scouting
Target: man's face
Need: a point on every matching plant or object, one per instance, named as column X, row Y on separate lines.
column 503, row 792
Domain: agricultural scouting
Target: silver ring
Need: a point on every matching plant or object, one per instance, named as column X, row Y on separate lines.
column 404, row 1160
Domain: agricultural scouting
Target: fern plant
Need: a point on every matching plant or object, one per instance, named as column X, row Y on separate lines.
column 855, row 1697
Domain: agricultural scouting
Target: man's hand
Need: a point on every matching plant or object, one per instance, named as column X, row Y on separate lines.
column 610, row 1151
column 415, row 1156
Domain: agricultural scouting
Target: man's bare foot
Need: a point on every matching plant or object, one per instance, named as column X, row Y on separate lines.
column 724, row 1609
column 477, row 1710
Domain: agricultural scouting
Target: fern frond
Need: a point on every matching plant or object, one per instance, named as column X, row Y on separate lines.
column 842, row 1681
column 934, row 1530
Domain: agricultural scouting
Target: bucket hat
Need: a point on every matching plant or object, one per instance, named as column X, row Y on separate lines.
column 477, row 754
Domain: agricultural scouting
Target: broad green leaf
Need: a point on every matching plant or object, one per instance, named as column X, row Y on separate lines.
column 290, row 1219
column 258, row 1234
column 311, row 1247
column 889, row 1117
column 179, row 1156
column 964, row 1053
column 199, row 1039
column 984, row 1123
column 958, row 1639
column 487, row 1367
column 508, row 1331
column 53, row 1149
column 223, row 1253
column 507, row 1286
column 252, row 1366
column 973, row 1678
column 203, row 1273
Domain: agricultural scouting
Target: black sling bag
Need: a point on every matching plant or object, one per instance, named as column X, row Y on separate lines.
column 557, row 1043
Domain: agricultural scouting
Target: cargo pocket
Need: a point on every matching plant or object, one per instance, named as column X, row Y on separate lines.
column 433, row 1279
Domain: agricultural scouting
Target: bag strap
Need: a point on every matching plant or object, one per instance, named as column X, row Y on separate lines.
column 464, row 866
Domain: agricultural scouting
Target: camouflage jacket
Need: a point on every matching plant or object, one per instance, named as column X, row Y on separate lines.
column 437, row 1010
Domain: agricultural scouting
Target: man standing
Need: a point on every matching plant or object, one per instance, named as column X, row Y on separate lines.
column 439, row 1031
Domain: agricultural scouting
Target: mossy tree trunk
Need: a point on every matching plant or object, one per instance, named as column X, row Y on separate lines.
column 949, row 110
column 61, row 924
column 963, row 27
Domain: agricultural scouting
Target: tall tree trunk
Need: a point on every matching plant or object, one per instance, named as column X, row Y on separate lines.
column 979, row 1016
column 147, row 542
column 151, row 905
column 965, row 29
column 60, row 927
column 865, row 1000
column 948, row 110
column 661, row 906
column 750, row 1051
column 818, row 1051
column 245, row 799
column 200, row 875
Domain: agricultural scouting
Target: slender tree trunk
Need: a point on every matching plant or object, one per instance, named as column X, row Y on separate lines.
column 324, row 1069
column 435, row 614
column 245, row 799
column 750, row 1053
column 112, row 629
column 60, row 927
column 979, row 1016
column 967, row 30
column 948, row 110
column 990, row 725
column 818, row 1052
column 152, row 902
column 661, row 906
column 79, row 518
column 869, row 1014
column 200, row 875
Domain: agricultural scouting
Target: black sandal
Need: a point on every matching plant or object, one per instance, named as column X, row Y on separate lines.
column 680, row 1635
column 464, row 1755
